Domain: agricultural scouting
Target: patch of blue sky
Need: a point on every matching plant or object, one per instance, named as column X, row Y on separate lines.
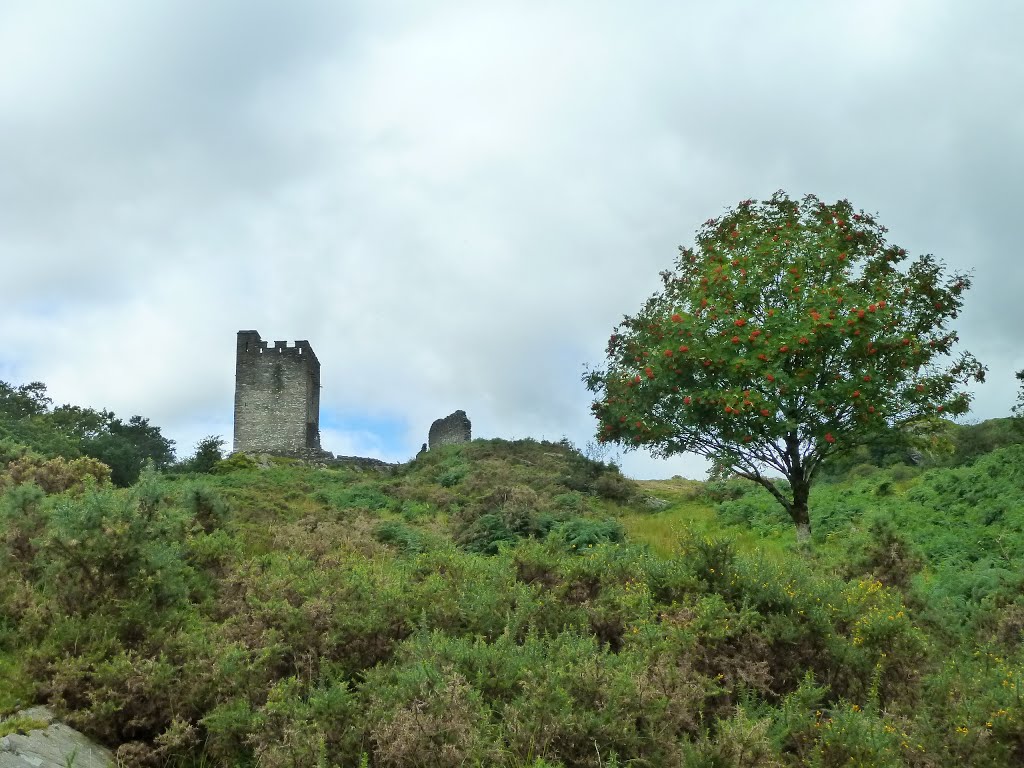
column 360, row 433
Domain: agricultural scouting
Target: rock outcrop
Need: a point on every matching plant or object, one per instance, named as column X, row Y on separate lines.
column 44, row 743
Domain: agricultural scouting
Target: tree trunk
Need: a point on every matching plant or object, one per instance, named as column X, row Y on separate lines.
column 803, row 533
column 799, row 512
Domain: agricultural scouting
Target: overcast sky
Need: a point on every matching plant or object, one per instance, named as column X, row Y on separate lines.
column 455, row 202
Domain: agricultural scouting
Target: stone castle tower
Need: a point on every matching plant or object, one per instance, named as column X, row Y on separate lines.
column 277, row 397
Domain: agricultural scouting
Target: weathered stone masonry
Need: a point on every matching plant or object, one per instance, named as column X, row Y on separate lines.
column 453, row 428
column 277, row 397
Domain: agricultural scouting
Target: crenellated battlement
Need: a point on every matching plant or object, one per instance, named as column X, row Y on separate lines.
column 250, row 343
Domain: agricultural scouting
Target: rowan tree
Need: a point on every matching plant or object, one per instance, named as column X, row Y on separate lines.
column 790, row 332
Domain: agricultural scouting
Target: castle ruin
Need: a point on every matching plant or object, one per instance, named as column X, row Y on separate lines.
column 453, row 429
column 277, row 405
column 277, row 397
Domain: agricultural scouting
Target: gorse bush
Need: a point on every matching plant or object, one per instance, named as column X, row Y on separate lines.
column 288, row 615
column 54, row 475
column 884, row 553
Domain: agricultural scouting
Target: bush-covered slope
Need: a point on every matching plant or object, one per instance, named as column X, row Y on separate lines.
column 514, row 603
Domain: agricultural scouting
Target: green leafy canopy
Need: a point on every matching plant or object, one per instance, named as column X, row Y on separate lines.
column 786, row 334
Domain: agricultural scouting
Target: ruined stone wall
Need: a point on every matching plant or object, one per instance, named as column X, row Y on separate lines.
column 454, row 428
column 277, row 397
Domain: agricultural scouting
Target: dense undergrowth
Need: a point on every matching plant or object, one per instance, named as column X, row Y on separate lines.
column 517, row 604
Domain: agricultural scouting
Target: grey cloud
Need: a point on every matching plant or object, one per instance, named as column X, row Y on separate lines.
column 456, row 203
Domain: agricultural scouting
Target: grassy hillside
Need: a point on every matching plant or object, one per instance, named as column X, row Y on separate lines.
column 516, row 604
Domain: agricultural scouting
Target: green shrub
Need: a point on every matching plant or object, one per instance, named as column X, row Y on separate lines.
column 24, row 513
column 612, row 485
column 451, row 477
column 596, row 477
column 242, row 619
column 728, row 489
column 234, row 463
column 415, row 510
column 111, row 546
column 848, row 735
column 428, row 715
column 739, row 740
column 572, row 502
column 302, row 727
column 486, row 534
column 860, row 471
column 55, row 475
column 367, row 496
column 400, row 535
column 974, row 709
column 208, row 454
column 884, row 553
column 557, row 698
column 755, row 510
column 205, row 505
column 502, row 516
column 581, row 533
column 901, row 473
